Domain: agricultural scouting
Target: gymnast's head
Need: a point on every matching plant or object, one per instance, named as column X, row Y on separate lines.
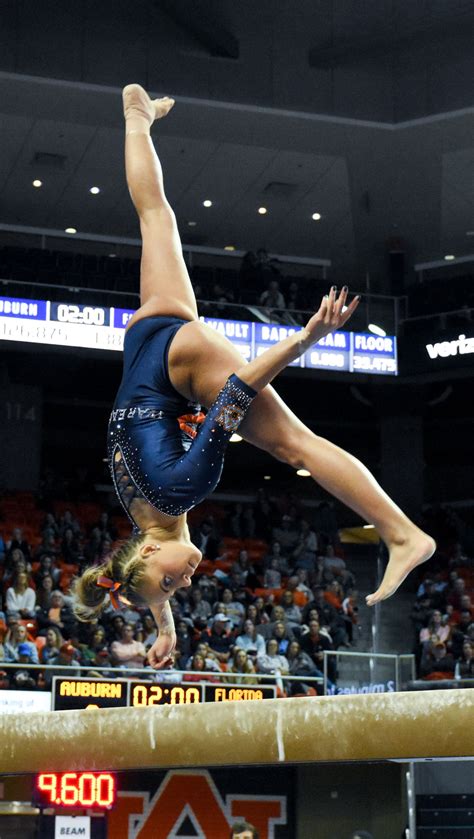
column 141, row 572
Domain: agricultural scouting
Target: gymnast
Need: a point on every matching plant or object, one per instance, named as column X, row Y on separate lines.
column 165, row 455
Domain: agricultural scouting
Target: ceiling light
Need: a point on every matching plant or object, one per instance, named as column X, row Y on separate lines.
column 267, row 477
column 368, row 527
column 316, row 216
column 112, row 255
column 70, row 230
column 229, row 247
column 303, row 473
column 37, row 183
column 95, row 190
column 262, row 211
column 469, row 232
column 207, row 203
column 236, row 438
column 192, row 223
column 377, row 330
column 449, row 257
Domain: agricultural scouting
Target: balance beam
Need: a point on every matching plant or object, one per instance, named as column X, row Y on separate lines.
column 403, row 726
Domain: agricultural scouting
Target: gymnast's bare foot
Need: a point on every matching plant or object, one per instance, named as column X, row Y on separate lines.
column 140, row 111
column 404, row 557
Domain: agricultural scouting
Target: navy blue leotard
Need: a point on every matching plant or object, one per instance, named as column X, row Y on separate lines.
column 155, row 452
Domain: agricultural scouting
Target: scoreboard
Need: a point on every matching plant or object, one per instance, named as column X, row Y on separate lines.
column 82, row 693
column 103, row 327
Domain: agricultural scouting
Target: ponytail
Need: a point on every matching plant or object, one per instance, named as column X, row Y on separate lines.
column 124, row 566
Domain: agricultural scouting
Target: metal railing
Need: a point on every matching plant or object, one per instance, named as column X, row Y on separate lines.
column 380, row 309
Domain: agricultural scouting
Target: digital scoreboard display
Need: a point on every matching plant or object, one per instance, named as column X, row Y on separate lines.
column 83, row 693
column 75, row 789
column 103, row 327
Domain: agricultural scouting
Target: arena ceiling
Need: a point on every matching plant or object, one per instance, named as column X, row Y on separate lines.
column 360, row 111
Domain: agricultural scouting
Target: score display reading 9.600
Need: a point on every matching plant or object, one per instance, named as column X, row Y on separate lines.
column 76, row 789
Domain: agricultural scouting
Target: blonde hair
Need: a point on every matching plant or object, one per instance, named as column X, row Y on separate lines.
column 124, row 565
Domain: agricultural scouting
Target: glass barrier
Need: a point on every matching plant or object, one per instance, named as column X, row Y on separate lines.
column 348, row 672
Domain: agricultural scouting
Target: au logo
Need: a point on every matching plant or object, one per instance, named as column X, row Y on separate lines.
column 191, row 796
column 230, row 417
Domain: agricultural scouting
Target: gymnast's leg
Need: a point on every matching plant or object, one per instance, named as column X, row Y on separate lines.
column 273, row 427
column 165, row 287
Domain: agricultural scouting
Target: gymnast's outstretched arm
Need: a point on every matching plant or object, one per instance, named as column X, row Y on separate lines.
column 160, row 654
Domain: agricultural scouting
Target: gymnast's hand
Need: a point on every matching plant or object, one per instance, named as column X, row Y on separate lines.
column 330, row 316
column 160, row 655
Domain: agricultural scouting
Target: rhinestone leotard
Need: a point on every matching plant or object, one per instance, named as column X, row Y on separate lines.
column 161, row 448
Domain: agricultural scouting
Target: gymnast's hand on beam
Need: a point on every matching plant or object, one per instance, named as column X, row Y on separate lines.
column 330, row 315
column 160, row 654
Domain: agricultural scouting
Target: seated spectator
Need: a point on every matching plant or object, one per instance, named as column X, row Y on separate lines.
column 437, row 629
column 267, row 623
column 300, row 665
column 272, row 577
column 47, row 567
column 200, row 609
column 210, row 658
column 336, row 566
column 465, row 606
column 334, row 595
column 272, row 662
column 249, row 524
column 47, row 547
column 329, row 617
column 457, row 592
column 283, row 634
column 240, row 663
column 44, row 590
column 150, row 632
column 285, row 534
column 50, row 525
column 205, row 538
column 304, row 554
column 16, row 635
column 65, row 664
column 128, row 652
column 460, row 632
column 315, row 643
column 234, row 610
column 350, row 610
column 250, row 640
column 272, row 298
column 247, row 575
column 301, row 575
column 68, row 520
column 24, row 679
column 15, row 563
column 464, row 668
column 183, row 642
column 436, row 662
column 235, row 521
column 18, row 542
column 292, row 611
column 219, row 638
column 20, row 598
column 53, row 644
column 70, row 549
column 201, row 673
column 59, row 614
column 96, row 651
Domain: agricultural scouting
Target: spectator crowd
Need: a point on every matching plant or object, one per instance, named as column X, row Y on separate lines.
column 272, row 593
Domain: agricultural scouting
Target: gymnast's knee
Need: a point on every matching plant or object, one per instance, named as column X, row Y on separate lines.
column 290, row 450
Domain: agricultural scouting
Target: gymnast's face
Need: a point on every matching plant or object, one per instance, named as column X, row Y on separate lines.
column 170, row 566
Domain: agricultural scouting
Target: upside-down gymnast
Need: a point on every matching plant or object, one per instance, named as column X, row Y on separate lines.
column 173, row 363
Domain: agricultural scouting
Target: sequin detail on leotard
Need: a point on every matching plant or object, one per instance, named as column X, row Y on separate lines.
column 152, row 453
column 141, row 453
